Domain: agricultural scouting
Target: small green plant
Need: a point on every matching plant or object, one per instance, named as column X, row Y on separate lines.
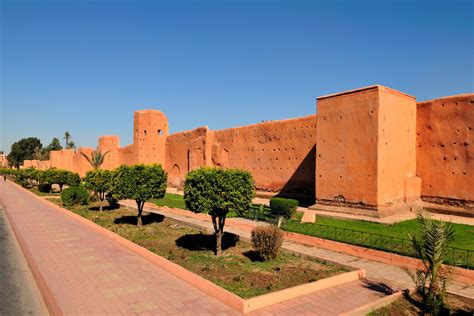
column 75, row 195
column 431, row 247
column 267, row 241
column 283, row 207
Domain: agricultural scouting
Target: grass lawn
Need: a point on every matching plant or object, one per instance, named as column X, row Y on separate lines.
column 170, row 200
column 236, row 270
column 464, row 233
column 410, row 306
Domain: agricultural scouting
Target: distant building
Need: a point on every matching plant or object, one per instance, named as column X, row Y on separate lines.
column 3, row 160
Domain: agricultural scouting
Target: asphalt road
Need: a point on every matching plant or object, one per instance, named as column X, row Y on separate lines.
column 19, row 294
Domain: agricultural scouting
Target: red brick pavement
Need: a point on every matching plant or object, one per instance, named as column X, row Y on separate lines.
column 88, row 273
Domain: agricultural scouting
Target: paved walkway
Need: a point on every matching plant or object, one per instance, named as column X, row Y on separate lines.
column 19, row 294
column 88, row 273
column 393, row 276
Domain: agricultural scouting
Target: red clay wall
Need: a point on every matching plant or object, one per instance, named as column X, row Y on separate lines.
column 279, row 154
column 126, row 155
column 110, row 145
column 445, row 149
column 184, row 152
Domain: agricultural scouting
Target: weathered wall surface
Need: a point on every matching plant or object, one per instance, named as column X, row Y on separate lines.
column 185, row 151
column 279, row 154
column 126, row 155
column 445, row 149
column 110, row 145
column 396, row 160
column 346, row 163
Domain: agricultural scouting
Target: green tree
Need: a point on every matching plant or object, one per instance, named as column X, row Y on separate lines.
column 99, row 181
column 96, row 159
column 431, row 246
column 139, row 183
column 47, row 176
column 217, row 191
column 62, row 177
column 24, row 149
column 54, row 145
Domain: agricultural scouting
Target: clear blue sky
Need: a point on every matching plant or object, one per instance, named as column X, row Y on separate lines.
column 85, row 66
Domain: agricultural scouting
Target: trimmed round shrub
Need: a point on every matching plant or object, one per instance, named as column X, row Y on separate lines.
column 267, row 241
column 74, row 196
column 44, row 187
column 283, row 207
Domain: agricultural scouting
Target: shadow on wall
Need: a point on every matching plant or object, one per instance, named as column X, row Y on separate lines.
column 302, row 183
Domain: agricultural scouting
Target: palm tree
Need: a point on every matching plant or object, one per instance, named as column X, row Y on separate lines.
column 67, row 137
column 96, row 159
column 431, row 246
column 72, row 145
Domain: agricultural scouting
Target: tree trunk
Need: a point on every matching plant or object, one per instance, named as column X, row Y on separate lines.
column 60, row 188
column 218, row 223
column 101, row 200
column 139, row 216
column 218, row 242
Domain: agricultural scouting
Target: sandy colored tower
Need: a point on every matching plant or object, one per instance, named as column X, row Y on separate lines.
column 149, row 136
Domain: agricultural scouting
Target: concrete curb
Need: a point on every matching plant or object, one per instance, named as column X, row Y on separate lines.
column 219, row 293
column 370, row 307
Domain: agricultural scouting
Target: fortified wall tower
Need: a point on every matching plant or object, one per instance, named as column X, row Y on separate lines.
column 149, row 136
column 366, row 152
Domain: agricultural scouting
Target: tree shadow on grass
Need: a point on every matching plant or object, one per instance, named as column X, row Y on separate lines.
column 200, row 242
column 105, row 207
column 146, row 219
column 253, row 256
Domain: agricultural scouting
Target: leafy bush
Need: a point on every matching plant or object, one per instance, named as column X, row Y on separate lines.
column 74, row 196
column 44, row 187
column 267, row 241
column 217, row 191
column 283, row 207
